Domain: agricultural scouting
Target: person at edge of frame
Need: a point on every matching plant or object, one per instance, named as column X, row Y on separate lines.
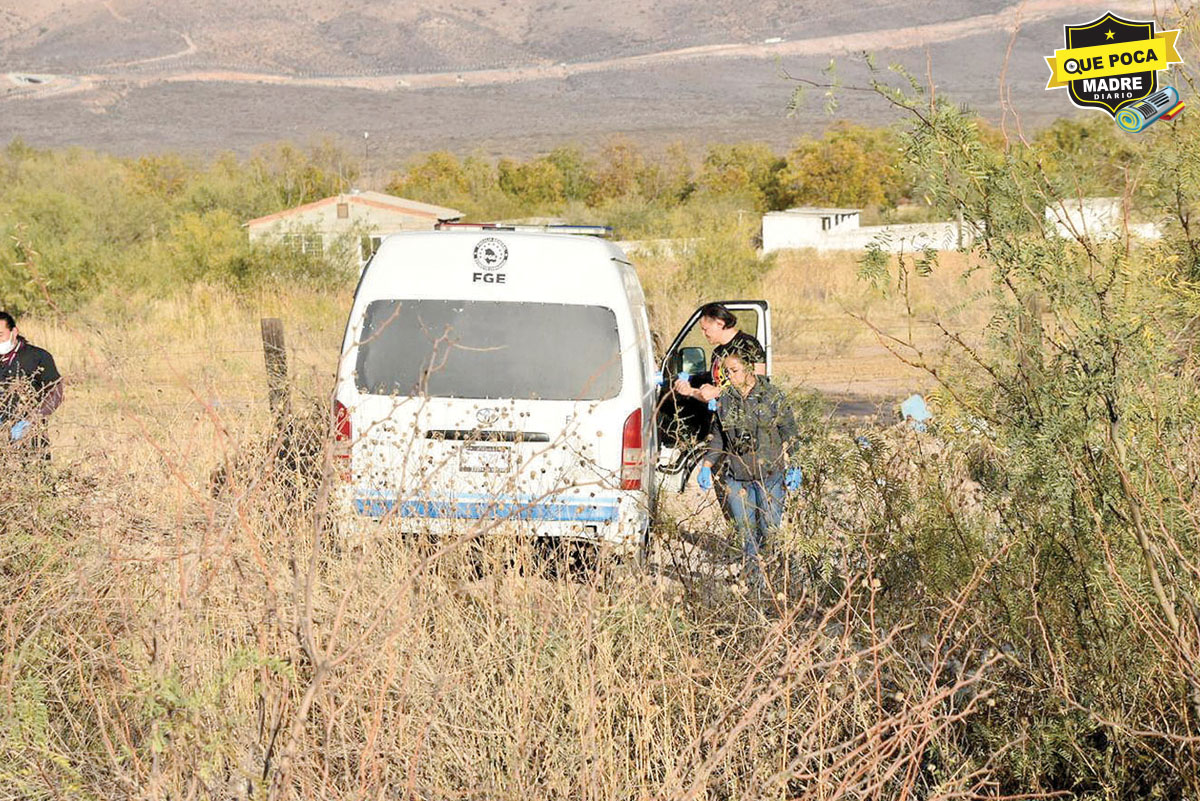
column 757, row 437
column 719, row 326
column 30, row 389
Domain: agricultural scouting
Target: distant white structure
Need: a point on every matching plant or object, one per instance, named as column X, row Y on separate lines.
column 904, row 238
column 840, row 229
column 805, row 226
column 1095, row 218
column 351, row 224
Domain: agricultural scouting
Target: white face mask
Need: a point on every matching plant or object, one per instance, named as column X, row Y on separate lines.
column 6, row 347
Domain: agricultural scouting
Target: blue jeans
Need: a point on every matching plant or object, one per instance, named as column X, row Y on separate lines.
column 756, row 508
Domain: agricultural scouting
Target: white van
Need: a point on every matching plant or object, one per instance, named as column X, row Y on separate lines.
column 491, row 374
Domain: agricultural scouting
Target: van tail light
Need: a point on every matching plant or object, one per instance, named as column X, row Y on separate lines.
column 633, row 454
column 343, row 435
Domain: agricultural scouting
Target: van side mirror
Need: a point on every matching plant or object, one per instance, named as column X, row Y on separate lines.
column 692, row 360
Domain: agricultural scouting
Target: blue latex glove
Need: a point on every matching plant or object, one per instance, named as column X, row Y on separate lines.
column 915, row 411
column 18, row 430
column 682, row 378
column 704, row 478
column 793, row 477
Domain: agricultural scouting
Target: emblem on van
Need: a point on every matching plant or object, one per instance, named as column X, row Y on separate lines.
column 490, row 254
column 487, row 417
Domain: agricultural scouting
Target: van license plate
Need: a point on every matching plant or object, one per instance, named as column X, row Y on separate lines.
column 484, row 459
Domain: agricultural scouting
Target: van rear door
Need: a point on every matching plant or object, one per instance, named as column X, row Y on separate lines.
column 683, row 423
column 470, row 403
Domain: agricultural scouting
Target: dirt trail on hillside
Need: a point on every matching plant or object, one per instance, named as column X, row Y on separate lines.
column 189, row 48
column 115, row 14
column 1008, row 19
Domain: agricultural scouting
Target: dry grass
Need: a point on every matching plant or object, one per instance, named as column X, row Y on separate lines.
column 181, row 380
column 204, row 655
column 162, row 641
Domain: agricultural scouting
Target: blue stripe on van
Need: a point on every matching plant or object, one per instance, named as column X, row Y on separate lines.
column 492, row 508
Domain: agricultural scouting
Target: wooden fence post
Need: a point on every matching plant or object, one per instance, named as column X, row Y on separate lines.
column 275, row 355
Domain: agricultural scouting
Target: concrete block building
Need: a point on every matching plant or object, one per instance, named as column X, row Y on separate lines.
column 805, row 226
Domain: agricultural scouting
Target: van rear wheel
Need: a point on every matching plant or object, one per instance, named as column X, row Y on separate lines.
column 568, row 557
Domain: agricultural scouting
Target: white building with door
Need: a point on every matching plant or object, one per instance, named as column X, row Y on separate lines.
column 353, row 223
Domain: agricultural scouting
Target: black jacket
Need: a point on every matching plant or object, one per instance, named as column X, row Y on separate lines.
column 29, row 381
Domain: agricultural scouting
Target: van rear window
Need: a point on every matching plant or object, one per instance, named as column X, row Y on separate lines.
column 489, row 349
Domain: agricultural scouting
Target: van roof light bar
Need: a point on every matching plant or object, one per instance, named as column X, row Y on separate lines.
column 558, row 228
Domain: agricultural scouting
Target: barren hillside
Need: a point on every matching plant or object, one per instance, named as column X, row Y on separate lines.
column 370, row 36
column 505, row 76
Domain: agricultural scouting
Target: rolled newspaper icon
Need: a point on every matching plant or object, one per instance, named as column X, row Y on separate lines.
column 1140, row 115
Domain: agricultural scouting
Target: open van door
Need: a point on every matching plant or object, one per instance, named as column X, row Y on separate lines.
column 684, row 423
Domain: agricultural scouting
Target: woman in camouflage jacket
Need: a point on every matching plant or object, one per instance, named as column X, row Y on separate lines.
column 755, row 434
